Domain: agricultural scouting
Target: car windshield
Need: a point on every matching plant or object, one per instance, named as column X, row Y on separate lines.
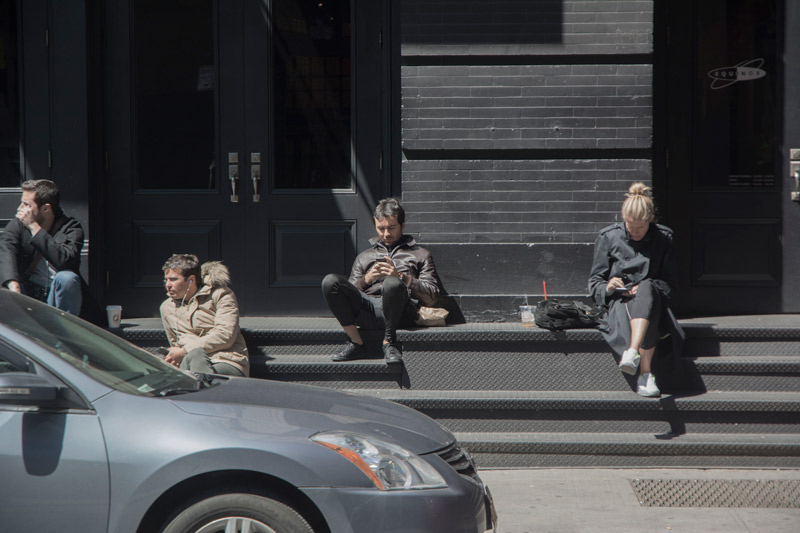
column 94, row 351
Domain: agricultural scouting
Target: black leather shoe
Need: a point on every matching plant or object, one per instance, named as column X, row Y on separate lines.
column 392, row 354
column 350, row 350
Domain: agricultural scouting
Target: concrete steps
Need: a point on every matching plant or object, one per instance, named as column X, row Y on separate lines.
column 521, row 396
column 603, row 412
column 634, row 449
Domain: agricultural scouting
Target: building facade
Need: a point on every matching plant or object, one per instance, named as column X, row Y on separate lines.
column 262, row 132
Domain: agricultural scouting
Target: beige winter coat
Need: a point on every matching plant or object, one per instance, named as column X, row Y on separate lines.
column 208, row 320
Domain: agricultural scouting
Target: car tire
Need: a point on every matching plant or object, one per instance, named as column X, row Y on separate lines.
column 249, row 512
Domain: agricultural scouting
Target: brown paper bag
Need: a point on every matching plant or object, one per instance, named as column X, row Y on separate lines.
column 431, row 316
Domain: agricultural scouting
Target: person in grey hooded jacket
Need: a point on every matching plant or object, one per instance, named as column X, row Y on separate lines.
column 634, row 276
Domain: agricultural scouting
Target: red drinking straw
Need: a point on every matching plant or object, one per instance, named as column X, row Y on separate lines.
column 544, row 285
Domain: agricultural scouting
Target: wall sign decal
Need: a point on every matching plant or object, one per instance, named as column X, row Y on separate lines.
column 745, row 71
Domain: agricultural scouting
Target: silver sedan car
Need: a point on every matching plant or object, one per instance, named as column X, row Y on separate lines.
column 98, row 435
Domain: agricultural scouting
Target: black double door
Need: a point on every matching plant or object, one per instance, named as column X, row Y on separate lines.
column 247, row 131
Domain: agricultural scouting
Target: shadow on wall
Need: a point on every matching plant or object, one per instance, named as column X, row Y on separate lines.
column 488, row 282
column 445, row 301
column 482, row 22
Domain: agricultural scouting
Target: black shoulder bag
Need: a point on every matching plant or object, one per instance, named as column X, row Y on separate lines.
column 556, row 315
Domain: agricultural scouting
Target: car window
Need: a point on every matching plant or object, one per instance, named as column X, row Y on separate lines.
column 94, row 351
column 11, row 361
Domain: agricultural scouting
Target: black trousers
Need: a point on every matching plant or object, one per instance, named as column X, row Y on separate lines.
column 646, row 303
column 392, row 309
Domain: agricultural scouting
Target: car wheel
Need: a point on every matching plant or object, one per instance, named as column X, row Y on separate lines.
column 238, row 513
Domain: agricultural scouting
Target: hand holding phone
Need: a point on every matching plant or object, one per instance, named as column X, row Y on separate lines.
column 387, row 266
column 382, row 267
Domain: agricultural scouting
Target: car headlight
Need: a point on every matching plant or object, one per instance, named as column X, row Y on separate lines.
column 388, row 466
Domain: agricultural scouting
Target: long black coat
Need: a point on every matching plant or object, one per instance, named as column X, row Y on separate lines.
column 617, row 255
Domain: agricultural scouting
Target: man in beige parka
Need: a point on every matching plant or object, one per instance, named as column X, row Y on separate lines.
column 202, row 320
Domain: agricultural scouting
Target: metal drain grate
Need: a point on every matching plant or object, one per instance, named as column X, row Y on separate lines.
column 717, row 493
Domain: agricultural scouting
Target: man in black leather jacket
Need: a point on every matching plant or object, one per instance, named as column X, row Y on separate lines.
column 387, row 283
column 40, row 249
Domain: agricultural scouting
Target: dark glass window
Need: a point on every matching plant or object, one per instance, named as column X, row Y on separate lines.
column 312, row 100
column 736, row 78
column 174, row 83
column 10, row 172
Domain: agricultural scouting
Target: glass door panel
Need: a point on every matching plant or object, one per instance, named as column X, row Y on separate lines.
column 312, row 102
column 10, row 172
column 174, row 82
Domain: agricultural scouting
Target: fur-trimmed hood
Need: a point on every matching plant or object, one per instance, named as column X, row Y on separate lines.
column 215, row 274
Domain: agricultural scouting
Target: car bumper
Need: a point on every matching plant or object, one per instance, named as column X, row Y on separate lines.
column 466, row 507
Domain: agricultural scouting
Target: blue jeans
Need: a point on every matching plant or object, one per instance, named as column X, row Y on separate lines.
column 65, row 292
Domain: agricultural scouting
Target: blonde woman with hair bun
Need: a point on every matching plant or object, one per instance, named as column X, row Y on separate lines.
column 638, row 204
column 633, row 277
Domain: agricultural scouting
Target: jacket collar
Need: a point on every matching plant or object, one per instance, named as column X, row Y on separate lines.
column 204, row 290
column 406, row 240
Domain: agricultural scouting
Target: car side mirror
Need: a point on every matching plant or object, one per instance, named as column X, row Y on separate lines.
column 26, row 389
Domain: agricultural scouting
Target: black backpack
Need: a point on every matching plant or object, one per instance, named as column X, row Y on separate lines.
column 556, row 315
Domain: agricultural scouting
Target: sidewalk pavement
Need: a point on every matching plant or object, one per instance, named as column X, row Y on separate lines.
column 568, row 500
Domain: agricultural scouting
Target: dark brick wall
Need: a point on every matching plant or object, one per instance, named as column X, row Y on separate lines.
column 526, row 26
column 522, row 123
column 526, row 107
column 528, row 201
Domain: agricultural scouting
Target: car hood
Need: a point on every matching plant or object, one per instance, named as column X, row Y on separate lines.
column 308, row 409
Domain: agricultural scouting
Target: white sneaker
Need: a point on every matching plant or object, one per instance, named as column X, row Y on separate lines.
column 647, row 386
column 630, row 361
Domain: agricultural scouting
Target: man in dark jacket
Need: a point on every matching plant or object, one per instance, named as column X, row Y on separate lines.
column 386, row 284
column 40, row 249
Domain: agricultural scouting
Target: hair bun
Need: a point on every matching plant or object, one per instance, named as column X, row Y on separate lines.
column 638, row 189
